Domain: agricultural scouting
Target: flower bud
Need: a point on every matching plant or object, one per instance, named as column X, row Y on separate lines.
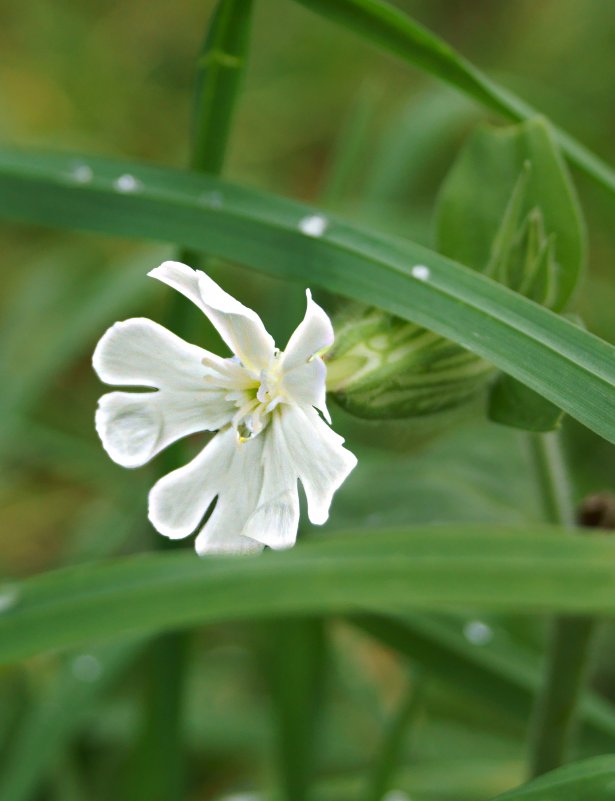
column 383, row 367
column 523, row 253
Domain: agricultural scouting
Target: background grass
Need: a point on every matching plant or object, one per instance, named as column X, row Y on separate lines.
column 116, row 79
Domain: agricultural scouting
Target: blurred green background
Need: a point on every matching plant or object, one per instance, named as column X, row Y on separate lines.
column 327, row 119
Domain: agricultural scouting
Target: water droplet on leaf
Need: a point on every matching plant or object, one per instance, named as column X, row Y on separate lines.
column 127, row 183
column 477, row 632
column 314, row 225
column 86, row 668
column 82, row 174
column 421, row 272
column 212, row 199
column 9, row 596
column 396, row 795
column 242, row 797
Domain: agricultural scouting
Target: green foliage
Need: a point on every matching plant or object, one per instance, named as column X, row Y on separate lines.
column 396, row 33
column 498, row 674
column 509, row 210
column 593, row 778
column 571, row 368
column 298, row 667
column 513, row 404
column 325, row 713
column 424, row 567
column 220, row 69
column 70, row 700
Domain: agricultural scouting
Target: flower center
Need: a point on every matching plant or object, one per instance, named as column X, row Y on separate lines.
column 256, row 403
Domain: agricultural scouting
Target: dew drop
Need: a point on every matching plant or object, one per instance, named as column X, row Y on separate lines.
column 477, row 632
column 420, row 272
column 396, row 795
column 242, row 797
column 82, row 174
column 314, row 225
column 212, row 199
column 9, row 595
column 86, row 668
column 244, row 432
column 127, row 183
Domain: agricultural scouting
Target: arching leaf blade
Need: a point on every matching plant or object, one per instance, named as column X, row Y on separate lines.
column 568, row 366
column 426, row 567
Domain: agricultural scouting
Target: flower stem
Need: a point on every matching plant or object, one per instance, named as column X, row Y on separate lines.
column 554, row 714
column 156, row 770
column 298, row 668
column 555, row 707
column 220, row 67
column 553, row 479
column 220, row 72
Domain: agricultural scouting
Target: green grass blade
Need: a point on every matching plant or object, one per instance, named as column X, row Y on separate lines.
column 500, row 674
column 568, row 366
column 390, row 752
column 590, row 780
column 392, row 30
column 45, row 729
column 430, row 567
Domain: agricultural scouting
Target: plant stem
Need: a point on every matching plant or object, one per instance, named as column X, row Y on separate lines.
column 157, row 771
column 298, row 669
column 390, row 751
column 220, row 69
column 552, row 475
column 220, row 72
column 555, row 706
column 554, row 715
column 160, row 752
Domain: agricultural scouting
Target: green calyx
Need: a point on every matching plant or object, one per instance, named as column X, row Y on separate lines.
column 507, row 209
column 385, row 368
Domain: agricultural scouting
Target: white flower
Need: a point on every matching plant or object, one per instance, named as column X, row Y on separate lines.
column 263, row 404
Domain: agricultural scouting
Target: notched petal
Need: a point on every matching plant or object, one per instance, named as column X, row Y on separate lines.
column 306, row 385
column 319, row 458
column 253, row 481
column 275, row 521
column 135, row 426
column 312, row 337
column 129, row 427
column 139, row 352
column 179, row 500
column 240, row 327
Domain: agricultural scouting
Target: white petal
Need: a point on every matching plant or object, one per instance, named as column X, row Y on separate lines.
column 240, row 327
column 313, row 335
column 220, row 541
column 276, row 518
column 139, row 352
column 307, row 385
column 135, row 426
column 179, row 500
column 318, row 457
column 240, row 488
